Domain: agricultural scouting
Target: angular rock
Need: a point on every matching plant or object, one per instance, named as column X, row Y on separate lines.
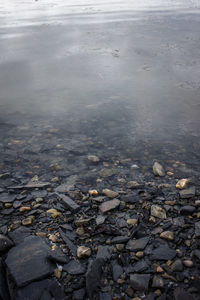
column 197, row 229
column 140, row 282
column 74, row 268
column 83, row 251
column 93, row 158
column 104, row 252
column 179, row 221
column 158, row 169
column 120, row 239
column 19, row 234
column 109, row 205
column 157, row 211
column 5, row 243
column 31, row 185
column 180, row 294
column 163, row 252
column 4, row 292
column 158, row 282
column 69, row 243
column 177, row 266
column 28, row 261
column 187, row 210
column 117, row 271
column 167, row 235
column 100, row 219
column 140, row 266
column 79, row 294
column 136, row 245
column 197, row 253
column 93, row 278
column 68, row 202
column 109, row 193
column 182, row 183
column 7, row 198
column 188, row 193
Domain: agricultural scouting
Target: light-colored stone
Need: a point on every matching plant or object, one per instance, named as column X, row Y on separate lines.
column 109, row 205
column 24, row 208
column 28, row 221
column 54, row 213
column 53, row 238
column 132, row 221
column 109, row 193
column 93, row 192
column 182, row 183
column 93, row 158
column 57, row 273
column 158, row 169
column 188, row 263
column 83, row 251
column 158, row 212
column 167, row 235
column 139, row 254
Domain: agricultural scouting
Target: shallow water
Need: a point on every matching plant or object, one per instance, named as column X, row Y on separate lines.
column 117, row 79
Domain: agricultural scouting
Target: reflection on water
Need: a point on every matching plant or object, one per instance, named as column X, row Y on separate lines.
column 117, row 76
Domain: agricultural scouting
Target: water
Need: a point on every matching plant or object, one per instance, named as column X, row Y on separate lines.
column 117, row 79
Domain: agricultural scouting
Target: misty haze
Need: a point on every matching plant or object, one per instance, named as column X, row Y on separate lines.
column 99, row 149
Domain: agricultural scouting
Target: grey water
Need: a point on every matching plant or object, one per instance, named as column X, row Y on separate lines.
column 122, row 77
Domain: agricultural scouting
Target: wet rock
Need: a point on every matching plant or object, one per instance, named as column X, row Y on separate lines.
column 167, row 235
column 140, row 266
column 69, row 243
column 104, row 252
column 28, row 221
column 93, row 278
column 117, row 270
column 158, row 169
column 158, row 282
column 28, row 261
column 54, row 213
column 74, row 268
column 5, row 243
column 179, row 221
column 188, row 263
column 7, row 211
column 157, row 211
column 109, row 193
column 83, row 251
column 79, row 294
column 68, row 202
column 181, row 184
column 19, row 234
column 7, row 198
column 120, row 240
column 100, row 219
column 163, row 252
column 31, row 185
column 188, row 193
column 177, row 266
column 187, row 210
column 140, row 282
column 180, row 294
column 93, row 193
column 197, row 229
column 24, row 208
column 109, row 205
column 136, row 245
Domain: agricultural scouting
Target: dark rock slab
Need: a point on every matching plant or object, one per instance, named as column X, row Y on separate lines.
column 7, row 211
column 188, row 193
column 104, row 296
column 180, row 294
column 74, row 268
column 31, row 185
column 140, row 282
column 7, row 198
column 187, row 210
column 28, row 261
column 117, row 270
column 79, row 294
column 140, row 266
column 19, row 234
column 93, row 278
column 120, row 240
column 163, row 252
column 4, row 293
column 136, row 245
column 197, row 253
column 104, row 252
column 179, row 221
column 68, row 242
column 5, row 243
column 68, row 202
column 197, row 229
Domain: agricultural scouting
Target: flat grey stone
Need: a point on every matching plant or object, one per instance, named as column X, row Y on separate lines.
column 74, row 268
column 140, row 266
column 68, row 202
column 104, row 252
column 163, row 252
column 140, row 282
column 7, row 198
column 187, row 210
column 28, row 261
column 188, row 193
column 136, row 245
column 120, row 239
column 19, row 234
column 117, row 271
column 109, row 205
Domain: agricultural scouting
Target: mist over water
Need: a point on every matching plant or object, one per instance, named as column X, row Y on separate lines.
column 124, row 76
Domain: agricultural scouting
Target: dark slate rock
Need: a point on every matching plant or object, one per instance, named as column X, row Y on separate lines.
column 136, row 245
column 19, row 234
column 177, row 266
column 180, row 294
column 70, row 245
column 187, row 210
column 163, row 252
column 197, row 229
column 188, row 193
column 179, row 221
column 140, row 282
column 7, row 211
column 197, row 254
column 74, row 268
column 104, row 252
column 42, row 290
column 4, row 229
column 117, row 271
column 151, row 296
column 93, row 278
column 133, row 198
column 5, row 198
column 120, row 239
column 17, row 204
column 5, row 243
column 140, row 266
column 104, row 296
column 28, row 261
column 79, row 294
column 4, row 293
column 68, row 202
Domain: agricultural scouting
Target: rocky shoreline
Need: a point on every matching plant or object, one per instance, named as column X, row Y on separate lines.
column 130, row 240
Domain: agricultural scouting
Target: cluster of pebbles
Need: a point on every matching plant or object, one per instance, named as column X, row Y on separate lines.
column 109, row 239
